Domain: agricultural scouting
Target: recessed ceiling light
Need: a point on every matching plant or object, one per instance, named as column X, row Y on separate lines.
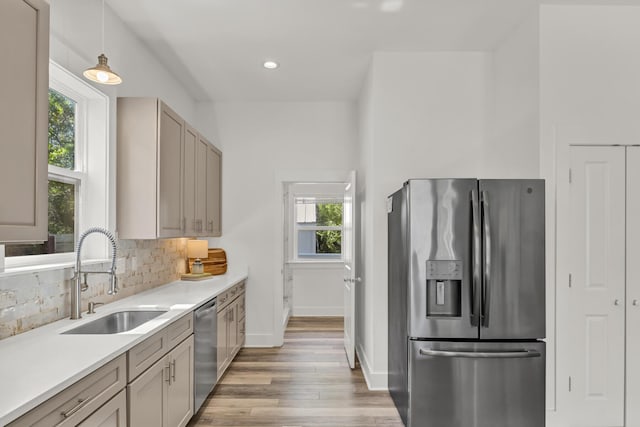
column 270, row 65
column 391, row 6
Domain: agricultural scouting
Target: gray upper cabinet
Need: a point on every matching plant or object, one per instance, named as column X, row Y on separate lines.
column 214, row 193
column 163, row 176
column 24, row 83
column 190, row 179
column 150, row 150
column 201, row 185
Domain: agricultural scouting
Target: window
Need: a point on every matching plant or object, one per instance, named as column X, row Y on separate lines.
column 78, row 113
column 317, row 228
column 64, row 180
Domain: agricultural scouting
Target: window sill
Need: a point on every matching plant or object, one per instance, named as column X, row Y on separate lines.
column 16, row 271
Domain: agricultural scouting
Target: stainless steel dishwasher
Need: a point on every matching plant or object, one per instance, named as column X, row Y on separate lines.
column 205, row 352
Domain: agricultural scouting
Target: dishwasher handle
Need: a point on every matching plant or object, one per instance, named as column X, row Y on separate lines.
column 207, row 308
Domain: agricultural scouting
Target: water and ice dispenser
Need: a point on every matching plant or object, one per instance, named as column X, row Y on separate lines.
column 444, row 288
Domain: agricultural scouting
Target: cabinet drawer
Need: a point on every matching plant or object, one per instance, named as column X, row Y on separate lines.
column 78, row 401
column 222, row 300
column 147, row 353
column 233, row 292
column 179, row 330
column 241, row 287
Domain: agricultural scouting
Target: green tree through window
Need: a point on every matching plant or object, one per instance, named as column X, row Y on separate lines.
column 329, row 241
column 62, row 138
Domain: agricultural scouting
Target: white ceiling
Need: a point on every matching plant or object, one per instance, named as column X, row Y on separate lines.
column 216, row 47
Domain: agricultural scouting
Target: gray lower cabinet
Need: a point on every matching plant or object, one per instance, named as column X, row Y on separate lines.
column 111, row 414
column 163, row 395
column 231, row 325
column 79, row 401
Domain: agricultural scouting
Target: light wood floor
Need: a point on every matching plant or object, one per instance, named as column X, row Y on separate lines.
column 305, row 383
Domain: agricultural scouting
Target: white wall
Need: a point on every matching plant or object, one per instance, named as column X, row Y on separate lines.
column 421, row 115
column 512, row 144
column 590, row 94
column 76, row 44
column 261, row 143
column 207, row 122
column 317, row 289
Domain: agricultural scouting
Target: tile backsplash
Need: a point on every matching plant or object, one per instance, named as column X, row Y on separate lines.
column 34, row 299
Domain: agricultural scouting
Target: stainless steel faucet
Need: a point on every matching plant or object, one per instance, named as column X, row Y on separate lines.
column 80, row 285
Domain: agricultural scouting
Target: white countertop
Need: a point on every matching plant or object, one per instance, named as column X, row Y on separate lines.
column 36, row 365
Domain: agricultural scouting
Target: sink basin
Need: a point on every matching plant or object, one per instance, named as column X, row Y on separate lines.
column 114, row 323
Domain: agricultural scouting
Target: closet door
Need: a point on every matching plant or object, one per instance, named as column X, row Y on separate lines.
column 596, row 342
column 633, row 287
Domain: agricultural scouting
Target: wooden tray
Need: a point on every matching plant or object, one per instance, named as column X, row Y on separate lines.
column 216, row 262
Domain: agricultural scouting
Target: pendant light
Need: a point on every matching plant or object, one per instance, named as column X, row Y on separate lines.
column 101, row 73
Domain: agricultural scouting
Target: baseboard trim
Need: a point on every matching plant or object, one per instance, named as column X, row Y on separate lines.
column 375, row 380
column 317, row 311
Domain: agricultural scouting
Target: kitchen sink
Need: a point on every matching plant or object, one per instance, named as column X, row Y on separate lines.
column 114, row 323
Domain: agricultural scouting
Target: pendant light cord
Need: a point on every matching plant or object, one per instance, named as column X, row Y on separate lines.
column 102, row 26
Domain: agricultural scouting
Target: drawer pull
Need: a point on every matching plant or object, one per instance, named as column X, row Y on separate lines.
column 81, row 403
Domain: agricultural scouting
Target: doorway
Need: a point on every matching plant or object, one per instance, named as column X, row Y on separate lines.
column 313, row 258
column 317, row 273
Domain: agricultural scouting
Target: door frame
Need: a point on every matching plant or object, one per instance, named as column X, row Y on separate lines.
column 281, row 178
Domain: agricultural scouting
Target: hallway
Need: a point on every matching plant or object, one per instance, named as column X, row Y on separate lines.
column 305, row 383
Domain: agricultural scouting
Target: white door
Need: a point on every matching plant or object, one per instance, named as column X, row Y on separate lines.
column 597, row 294
column 633, row 287
column 350, row 278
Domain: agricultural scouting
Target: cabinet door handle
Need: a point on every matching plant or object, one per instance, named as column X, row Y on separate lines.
column 635, row 302
column 167, row 370
column 211, row 226
column 173, row 370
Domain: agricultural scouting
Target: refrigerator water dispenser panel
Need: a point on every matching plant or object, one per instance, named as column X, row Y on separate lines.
column 444, row 282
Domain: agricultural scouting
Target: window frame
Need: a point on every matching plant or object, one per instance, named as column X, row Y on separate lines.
column 296, row 227
column 92, row 189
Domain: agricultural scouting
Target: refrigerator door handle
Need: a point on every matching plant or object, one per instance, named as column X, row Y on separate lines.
column 486, row 288
column 476, row 253
column 516, row 354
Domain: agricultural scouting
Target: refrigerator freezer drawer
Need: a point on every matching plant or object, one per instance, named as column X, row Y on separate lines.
column 476, row 384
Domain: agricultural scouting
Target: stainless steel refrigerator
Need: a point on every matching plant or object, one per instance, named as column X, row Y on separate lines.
column 467, row 303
